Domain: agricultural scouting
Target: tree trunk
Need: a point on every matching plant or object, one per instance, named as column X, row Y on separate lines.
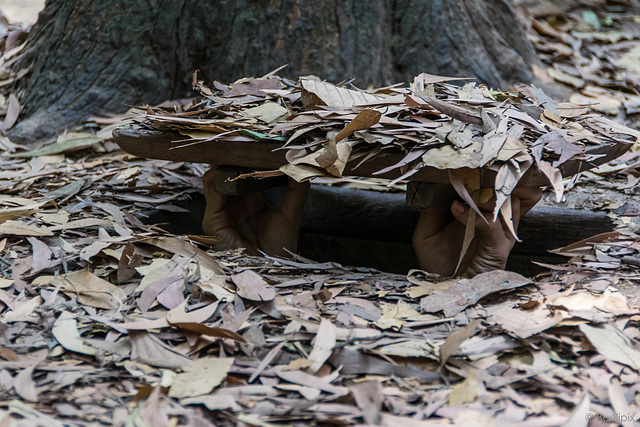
column 91, row 56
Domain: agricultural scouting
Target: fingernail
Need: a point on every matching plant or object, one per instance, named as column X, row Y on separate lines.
column 458, row 207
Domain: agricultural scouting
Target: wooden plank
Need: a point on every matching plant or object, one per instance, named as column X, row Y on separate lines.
column 226, row 181
column 267, row 155
column 429, row 196
column 259, row 155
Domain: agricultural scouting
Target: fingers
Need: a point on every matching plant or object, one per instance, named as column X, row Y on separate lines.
column 214, row 204
column 294, row 199
column 436, row 242
column 461, row 214
column 430, row 223
column 215, row 200
column 522, row 200
column 528, row 197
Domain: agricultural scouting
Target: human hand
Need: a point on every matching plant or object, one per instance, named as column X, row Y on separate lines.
column 438, row 242
column 245, row 221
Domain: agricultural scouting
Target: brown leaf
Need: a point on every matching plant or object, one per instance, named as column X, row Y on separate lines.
column 466, row 184
column 334, row 96
column 188, row 250
column 20, row 228
column 24, row 384
column 369, row 397
column 266, row 360
column 9, row 355
column 555, row 178
column 175, row 278
column 465, row 392
column 152, row 413
column 466, row 292
column 18, row 212
column 89, row 288
column 128, row 262
column 456, row 339
column 580, row 416
column 559, row 145
column 148, row 349
column 41, row 255
column 12, row 113
column 209, row 331
column 526, row 323
column 200, row 376
column 253, row 287
column 364, row 120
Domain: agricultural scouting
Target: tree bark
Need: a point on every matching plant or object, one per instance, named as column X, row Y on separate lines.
column 89, row 57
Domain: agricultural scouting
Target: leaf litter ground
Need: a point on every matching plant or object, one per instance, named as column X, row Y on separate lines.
column 109, row 321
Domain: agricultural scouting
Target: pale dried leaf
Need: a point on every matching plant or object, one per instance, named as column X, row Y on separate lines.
column 612, row 344
column 89, row 288
column 466, row 292
column 148, row 349
column 200, row 377
column 20, row 228
column 369, row 397
column 323, row 345
column 65, row 331
column 253, row 287
column 334, row 96
column 13, row 111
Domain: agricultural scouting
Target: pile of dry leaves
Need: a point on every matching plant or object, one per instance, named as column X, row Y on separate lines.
column 107, row 321
column 592, row 47
column 437, row 125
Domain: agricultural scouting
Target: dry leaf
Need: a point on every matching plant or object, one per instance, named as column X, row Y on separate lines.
column 65, row 331
column 13, row 111
column 323, row 345
column 18, row 212
column 187, row 250
column 364, row 120
column 525, row 323
column 24, row 385
column 213, row 402
column 253, row 287
column 200, row 376
column 179, row 314
column 456, row 339
column 334, row 96
column 89, row 289
column 20, row 228
column 368, row 396
column 466, row 292
column 148, row 349
column 41, row 255
column 304, row 379
column 464, row 392
column 612, row 344
column 581, row 416
column 269, row 112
